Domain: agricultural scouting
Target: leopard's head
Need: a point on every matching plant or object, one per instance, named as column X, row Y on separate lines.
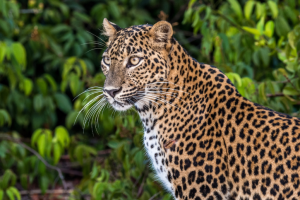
column 136, row 58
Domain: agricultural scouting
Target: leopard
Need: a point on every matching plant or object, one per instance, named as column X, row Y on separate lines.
column 204, row 140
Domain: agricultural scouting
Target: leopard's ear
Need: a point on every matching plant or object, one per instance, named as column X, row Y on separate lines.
column 110, row 29
column 161, row 33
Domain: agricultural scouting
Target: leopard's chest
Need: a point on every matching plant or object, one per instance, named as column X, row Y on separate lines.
column 156, row 155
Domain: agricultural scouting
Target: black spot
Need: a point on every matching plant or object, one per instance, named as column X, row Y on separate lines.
column 191, row 177
column 192, row 193
column 187, row 164
column 256, row 197
column 204, row 190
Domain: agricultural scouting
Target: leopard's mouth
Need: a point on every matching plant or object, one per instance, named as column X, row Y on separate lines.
column 126, row 101
column 117, row 103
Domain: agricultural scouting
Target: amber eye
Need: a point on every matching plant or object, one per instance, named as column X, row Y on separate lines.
column 106, row 60
column 134, row 61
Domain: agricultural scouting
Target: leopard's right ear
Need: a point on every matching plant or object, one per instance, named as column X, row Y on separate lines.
column 161, row 34
column 110, row 29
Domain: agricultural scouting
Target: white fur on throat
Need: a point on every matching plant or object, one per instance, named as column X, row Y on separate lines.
column 155, row 152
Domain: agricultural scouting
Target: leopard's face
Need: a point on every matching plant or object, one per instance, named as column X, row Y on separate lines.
column 135, row 61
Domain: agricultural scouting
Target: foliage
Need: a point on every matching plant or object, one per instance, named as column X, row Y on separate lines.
column 256, row 40
column 50, row 53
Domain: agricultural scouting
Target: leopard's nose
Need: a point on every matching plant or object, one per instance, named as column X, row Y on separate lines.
column 113, row 92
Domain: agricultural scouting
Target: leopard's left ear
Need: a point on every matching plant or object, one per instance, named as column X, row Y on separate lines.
column 110, row 29
column 161, row 33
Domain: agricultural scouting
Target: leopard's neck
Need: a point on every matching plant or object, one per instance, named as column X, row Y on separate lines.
column 181, row 84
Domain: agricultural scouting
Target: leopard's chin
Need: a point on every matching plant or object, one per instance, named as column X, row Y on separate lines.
column 120, row 106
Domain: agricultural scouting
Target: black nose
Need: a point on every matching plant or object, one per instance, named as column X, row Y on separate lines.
column 113, row 92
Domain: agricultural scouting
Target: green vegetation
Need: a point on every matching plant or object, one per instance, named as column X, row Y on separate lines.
column 50, row 52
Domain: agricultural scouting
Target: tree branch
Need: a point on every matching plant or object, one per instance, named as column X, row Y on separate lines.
column 229, row 21
column 179, row 13
column 278, row 95
column 7, row 137
column 289, row 80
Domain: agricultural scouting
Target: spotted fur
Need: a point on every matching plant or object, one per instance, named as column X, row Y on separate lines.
column 205, row 140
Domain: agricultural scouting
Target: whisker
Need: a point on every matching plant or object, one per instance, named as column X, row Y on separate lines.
column 99, row 43
column 157, row 98
column 96, row 122
column 87, row 91
column 90, row 112
column 84, row 107
column 92, row 94
column 95, row 35
column 93, row 49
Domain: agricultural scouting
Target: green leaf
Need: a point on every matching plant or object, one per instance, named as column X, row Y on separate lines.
column 42, row 85
column 4, row 117
column 260, row 25
column 44, row 183
column 51, row 81
column 82, row 17
column 83, row 67
column 74, row 84
column 60, row 28
column 251, row 30
column 114, row 144
column 70, row 119
column 274, row 8
column 113, row 9
column 235, row 78
column 261, row 91
column 10, row 194
column 191, row 3
column 248, row 8
column 292, row 39
column 8, row 179
column 1, row 194
column 236, row 7
column 271, row 86
column 269, row 29
column 41, row 144
column 260, row 10
column 62, row 135
column 3, row 8
column 281, row 26
column 24, row 181
column 68, row 65
column 63, row 102
column 15, row 193
column 19, row 53
column 38, row 102
column 94, row 172
column 282, row 71
column 264, row 54
column 187, row 15
column 290, row 91
column 248, row 84
column 3, row 50
column 35, row 136
column 26, row 85
column 57, row 151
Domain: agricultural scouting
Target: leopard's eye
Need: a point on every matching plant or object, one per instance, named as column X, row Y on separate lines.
column 106, row 60
column 133, row 61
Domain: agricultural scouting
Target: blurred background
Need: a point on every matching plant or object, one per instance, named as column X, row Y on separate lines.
column 50, row 52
